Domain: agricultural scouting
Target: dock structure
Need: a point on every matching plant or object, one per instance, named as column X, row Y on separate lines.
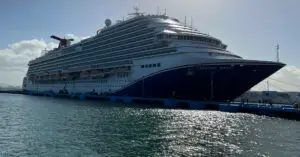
column 272, row 110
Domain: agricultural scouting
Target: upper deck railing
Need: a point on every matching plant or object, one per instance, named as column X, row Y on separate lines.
column 181, row 27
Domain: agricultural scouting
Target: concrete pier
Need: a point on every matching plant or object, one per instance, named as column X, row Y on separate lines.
column 284, row 111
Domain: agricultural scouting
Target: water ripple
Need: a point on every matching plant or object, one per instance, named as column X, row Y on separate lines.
column 41, row 126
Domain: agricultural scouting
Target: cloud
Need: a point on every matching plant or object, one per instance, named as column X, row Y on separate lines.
column 286, row 79
column 14, row 59
column 19, row 53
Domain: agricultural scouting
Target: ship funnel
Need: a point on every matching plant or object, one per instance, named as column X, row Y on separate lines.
column 62, row 42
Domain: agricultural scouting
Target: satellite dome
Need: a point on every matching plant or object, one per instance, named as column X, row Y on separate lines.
column 107, row 22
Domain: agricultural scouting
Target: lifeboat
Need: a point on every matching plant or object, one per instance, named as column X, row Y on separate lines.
column 84, row 74
column 121, row 69
column 39, row 77
column 35, row 77
column 53, row 76
column 65, row 76
column 44, row 77
column 97, row 73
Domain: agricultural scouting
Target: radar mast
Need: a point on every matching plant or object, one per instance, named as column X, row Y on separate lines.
column 137, row 11
column 277, row 52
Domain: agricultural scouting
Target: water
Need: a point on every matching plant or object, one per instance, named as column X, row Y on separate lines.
column 44, row 126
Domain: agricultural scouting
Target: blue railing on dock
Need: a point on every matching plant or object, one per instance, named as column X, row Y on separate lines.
column 276, row 110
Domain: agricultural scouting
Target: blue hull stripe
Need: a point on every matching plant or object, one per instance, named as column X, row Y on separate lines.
column 202, row 82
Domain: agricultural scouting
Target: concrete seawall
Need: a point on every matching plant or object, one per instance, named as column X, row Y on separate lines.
column 283, row 111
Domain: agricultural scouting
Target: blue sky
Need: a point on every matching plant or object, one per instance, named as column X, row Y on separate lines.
column 251, row 28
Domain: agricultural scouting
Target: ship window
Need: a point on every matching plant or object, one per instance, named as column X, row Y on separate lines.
column 160, row 36
column 142, row 66
column 146, row 66
column 173, row 36
column 158, row 64
column 154, row 65
column 150, row 65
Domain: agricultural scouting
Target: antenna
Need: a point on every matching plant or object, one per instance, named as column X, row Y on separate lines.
column 191, row 21
column 165, row 12
column 136, row 8
column 184, row 20
column 158, row 10
column 277, row 52
column 136, row 13
column 268, row 89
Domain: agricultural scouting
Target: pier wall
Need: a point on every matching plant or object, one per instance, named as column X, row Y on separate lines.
column 274, row 110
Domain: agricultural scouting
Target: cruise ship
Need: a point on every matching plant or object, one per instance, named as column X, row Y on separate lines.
column 147, row 56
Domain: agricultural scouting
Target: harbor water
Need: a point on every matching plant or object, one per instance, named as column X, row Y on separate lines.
column 46, row 126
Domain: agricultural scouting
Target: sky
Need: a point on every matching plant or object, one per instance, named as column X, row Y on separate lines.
column 250, row 28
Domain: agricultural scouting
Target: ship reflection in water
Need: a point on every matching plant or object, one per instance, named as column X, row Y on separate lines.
column 43, row 126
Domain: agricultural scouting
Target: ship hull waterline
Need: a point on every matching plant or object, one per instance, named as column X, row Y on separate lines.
column 220, row 82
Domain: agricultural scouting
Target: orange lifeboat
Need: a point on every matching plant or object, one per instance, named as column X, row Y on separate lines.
column 93, row 72
column 84, row 74
column 65, row 75
column 97, row 73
